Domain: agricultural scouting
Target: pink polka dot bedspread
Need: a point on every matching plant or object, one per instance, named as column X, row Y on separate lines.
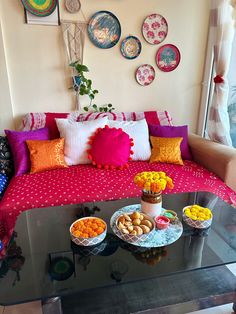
column 85, row 183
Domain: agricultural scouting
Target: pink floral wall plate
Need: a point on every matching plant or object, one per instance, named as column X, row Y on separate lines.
column 167, row 58
column 145, row 74
column 155, row 29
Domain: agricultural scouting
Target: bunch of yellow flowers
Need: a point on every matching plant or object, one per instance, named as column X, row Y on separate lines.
column 197, row 212
column 153, row 181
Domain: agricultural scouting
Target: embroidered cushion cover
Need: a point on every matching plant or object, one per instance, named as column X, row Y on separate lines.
column 173, row 131
column 76, row 135
column 166, row 149
column 138, row 130
column 17, row 142
column 46, row 155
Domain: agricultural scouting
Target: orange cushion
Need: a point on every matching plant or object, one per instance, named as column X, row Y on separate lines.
column 46, row 155
column 166, row 149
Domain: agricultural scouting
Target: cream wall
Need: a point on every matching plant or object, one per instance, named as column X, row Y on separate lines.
column 38, row 72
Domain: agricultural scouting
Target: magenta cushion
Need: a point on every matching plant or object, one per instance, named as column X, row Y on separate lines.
column 110, row 148
column 20, row 152
column 173, row 131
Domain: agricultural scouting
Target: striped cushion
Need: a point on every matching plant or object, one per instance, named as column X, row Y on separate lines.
column 37, row 120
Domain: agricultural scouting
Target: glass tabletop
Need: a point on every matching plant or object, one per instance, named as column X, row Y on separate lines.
column 42, row 261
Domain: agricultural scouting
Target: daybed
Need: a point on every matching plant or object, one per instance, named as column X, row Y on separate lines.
column 212, row 169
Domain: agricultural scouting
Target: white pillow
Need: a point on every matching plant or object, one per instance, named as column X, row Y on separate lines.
column 76, row 135
column 138, row 130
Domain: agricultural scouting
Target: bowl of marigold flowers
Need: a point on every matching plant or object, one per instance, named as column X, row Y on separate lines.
column 88, row 231
column 197, row 216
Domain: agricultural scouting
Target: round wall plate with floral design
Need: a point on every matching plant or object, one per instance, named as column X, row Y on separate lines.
column 168, row 58
column 40, row 7
column 145, row 74
column 155, row 29
column 104, row 29
column 131, row 47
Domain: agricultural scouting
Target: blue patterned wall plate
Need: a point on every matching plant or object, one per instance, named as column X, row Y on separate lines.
column 104, row 29
column 131, row 47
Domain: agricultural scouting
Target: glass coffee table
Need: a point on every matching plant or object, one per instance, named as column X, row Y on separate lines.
column 114, row 276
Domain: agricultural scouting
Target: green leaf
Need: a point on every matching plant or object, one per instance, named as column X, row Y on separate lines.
column 101, row 109
column 109, row 105
column 85, row 108
column 81, row 68
column 94, row 106
column 105, row 109
column 91, row 96
column 95, row 91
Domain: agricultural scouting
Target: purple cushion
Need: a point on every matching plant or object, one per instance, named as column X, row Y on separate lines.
column 173, row 131
column 19, row 148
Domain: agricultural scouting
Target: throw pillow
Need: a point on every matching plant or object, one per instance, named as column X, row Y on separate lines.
column 19, row 147
column 6, row 159
column 76, row 135
column 111, row 148
column 3, row 184
column 166, row 149
column 173, row 131
column 46, row 155
column 138, row 130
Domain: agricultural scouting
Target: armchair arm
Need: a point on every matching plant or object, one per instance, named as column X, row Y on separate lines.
column 216, row 157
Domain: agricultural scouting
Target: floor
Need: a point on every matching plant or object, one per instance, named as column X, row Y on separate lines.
column 35, row 307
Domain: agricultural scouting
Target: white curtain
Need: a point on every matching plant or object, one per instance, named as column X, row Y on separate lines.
column 222, row 24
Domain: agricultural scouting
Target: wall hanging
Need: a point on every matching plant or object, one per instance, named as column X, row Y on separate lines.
column 104, row 29
column 168, row 58
column 145, row 74
column 72, row 6
column 131, row 47
column 155, row 29
column 73, row 36
column 40, row 7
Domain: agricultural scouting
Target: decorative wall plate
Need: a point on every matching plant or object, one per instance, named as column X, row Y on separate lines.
column 167, row 58
column 155, row 29
column 145, row 74
column 40, row 7
column 131, row 47
column 104, row 29
column 72, row 6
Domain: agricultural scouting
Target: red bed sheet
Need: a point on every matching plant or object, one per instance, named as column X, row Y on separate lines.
column 85, row 183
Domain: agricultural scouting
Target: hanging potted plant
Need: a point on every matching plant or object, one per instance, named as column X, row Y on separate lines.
column 83, row 86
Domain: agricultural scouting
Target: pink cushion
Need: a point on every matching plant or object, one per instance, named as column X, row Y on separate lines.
column 20, row 152
column 110, row 148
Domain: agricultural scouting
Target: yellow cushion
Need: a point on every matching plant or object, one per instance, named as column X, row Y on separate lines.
column 166, row 149
column 46, row 155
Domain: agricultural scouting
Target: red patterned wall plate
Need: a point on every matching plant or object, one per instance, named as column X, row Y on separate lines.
column 167, row 58
column 145, row 74
column 155, row 29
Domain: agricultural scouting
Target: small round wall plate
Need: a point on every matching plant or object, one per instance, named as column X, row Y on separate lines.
column 104, row 29
column 40, row 7
column 72, row 6
column 131, row 47
column 168, row 58
column 145, row 74
column 155, row 29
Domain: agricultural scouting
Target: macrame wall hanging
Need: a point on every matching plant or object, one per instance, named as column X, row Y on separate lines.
column 73, row 36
